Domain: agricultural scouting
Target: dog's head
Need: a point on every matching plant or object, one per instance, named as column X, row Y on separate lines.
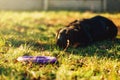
column 61, row 39
column 67, row 36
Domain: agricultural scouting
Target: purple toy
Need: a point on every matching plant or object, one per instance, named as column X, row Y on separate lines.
column 37, row 59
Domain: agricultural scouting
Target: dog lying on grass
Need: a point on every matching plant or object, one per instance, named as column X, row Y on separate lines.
column 86, row 31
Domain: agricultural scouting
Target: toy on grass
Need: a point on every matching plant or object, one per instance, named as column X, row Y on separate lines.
column 37, row 59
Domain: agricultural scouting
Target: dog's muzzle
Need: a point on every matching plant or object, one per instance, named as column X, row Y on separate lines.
column 61, row 43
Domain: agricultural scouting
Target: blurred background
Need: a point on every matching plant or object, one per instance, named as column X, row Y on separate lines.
column 82, row 5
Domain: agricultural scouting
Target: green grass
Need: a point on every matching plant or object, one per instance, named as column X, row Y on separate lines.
column 33, row 33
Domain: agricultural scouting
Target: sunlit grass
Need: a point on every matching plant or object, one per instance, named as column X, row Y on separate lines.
column 33, row 33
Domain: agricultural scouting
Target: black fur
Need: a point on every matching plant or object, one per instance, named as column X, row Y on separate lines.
column 87, row 31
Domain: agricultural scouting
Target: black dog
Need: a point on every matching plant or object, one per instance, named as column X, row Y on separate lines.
column 87, row 31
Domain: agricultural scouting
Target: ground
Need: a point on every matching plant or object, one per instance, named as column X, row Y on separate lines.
column 33, row 33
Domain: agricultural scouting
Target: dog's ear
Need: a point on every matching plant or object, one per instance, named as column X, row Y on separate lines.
column 70, row 24
column 74, row 21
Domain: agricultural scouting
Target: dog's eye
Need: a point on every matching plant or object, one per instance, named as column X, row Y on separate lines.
column 64, row 31
column 75, row 29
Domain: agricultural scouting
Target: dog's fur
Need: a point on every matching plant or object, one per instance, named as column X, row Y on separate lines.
column 86, row 31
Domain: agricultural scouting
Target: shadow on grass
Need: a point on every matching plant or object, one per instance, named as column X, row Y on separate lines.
column 36, row 45
column 108, row 49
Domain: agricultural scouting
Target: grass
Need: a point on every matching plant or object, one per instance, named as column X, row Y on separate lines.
column 33, row 33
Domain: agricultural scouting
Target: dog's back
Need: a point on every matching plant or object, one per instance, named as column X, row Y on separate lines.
column 99, row 28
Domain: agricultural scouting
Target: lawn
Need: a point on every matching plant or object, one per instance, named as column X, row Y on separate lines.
column 33, row 33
